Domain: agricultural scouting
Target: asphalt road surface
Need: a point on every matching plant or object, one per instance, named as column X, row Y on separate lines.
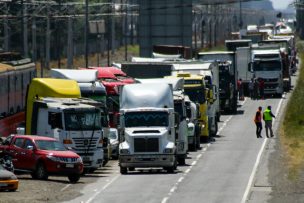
column 222, row 171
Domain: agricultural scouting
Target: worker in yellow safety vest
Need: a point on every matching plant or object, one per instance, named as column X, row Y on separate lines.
column 267, row 117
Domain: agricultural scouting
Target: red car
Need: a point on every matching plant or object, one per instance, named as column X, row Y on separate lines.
column 42, row 156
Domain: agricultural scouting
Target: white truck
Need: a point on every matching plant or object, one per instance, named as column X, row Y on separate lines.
column 210, row 71
column 180, row 108
column 147, row 127
column 91, row 88
column 266, row 63
column 54, row 109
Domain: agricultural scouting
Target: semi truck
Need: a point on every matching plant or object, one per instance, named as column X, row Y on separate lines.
column 91, row 88
column 147, row 127
column 54, row 109
column 266, row 64
column 228, row 76
column 180, row 108
column 210, row 72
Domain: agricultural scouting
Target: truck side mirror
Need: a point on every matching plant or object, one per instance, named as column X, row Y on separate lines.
column 210, row 96
column 250, row 67
column 176, row 119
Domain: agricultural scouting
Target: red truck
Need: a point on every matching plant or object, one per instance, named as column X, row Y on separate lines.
column 112, row 78
column 42, row 156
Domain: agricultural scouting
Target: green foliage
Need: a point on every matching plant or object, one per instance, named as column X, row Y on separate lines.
column 294, row 119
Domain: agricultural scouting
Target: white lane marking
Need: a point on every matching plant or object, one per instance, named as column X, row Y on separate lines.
column 193, row 163
column 257, row 162
column 102, row 189
column 65, row 187
column 180, row 180
column 165, row 200
column 173, row 189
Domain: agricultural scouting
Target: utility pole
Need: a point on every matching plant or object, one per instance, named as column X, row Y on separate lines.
column 58, row 45
column 241, row 17
column 126, row 33
column 48, row 39
column 108, row 32
column 70, row 43
column 6, row 30
column 34, row 40
column 86, row 28
column 25, row 35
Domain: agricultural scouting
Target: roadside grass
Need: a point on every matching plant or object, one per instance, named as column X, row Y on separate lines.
column 220, row 47
column 79, row 61
column 292, row 130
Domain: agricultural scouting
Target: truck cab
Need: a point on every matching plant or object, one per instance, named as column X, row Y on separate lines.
column 267, row 65
column 147, row 127
column 180, row 108
column 55, row 109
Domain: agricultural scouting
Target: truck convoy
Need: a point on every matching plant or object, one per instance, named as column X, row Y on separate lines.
column 180, row 108
column 228, row 77
column 54, row 109
column 210, row 72
column 148, row 127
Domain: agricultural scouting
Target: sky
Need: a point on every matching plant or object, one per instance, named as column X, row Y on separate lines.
column 281, row 4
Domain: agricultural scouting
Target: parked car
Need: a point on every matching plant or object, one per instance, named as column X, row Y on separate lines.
column 114, row 143
column 8, row 180
column 42, row 156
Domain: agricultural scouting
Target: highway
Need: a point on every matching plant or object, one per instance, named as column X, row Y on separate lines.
column 222, row 171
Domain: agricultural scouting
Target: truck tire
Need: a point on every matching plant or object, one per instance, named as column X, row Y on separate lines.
column 181, row 161
column 123, row 170
column 40, row 172
column 74, row 178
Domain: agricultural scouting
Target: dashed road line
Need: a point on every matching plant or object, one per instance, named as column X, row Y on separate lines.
column 180, row 180
column 65, row 187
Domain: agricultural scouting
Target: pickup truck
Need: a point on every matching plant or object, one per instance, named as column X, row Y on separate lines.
column 42, row 156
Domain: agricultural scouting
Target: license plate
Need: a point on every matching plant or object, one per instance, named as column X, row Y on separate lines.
column 69, row 165
column 3, row 184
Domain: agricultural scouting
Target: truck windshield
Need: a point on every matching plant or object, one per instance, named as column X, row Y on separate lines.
column 139, row 119
column 267, row 66
column 78, row 121
column 196, row 95
column 50, row 145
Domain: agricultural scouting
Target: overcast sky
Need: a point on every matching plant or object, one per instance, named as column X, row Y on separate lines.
column 279, row 4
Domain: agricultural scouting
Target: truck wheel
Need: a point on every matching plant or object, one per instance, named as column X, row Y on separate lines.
column 123, row 170
column 41, row 172
column 74, row 178
column 181, row 161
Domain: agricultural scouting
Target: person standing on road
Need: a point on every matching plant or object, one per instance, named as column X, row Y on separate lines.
column 261, row 88
column 258, row 122
column 256, row 89
column 251, row 88
column 267, row 117
column 240, row 89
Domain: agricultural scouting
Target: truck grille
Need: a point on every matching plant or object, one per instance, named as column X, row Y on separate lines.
column 83, row 144
column 146, row 145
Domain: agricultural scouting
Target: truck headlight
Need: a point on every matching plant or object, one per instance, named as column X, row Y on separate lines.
column 124, row 151
column 168, row 151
